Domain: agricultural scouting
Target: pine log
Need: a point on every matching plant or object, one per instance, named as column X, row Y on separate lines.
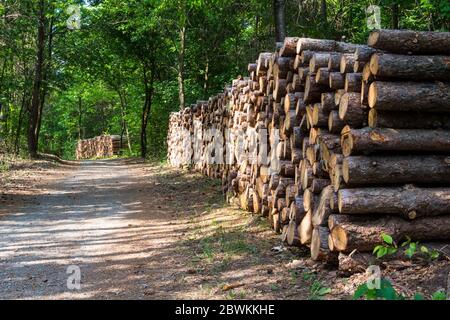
column 322, row 76
column 408, row 120
column 410, row 67
column 410, row 96
column 364, row 233
column 305, row 229
column 334, row 61
column 323, row 209
column 319, row 243
column 315, row 45
column 362, row 170
column 327, row 101
column 407, row 41
column 351, row 111
column 353, row 82
column 292, row 235
column 297, row 210
column 313, row 90
column 289, row 48
column 409, row 201
column 336, row 80
column 335, row 124
column 355, row 141
column 347, row 62
column 319, row 60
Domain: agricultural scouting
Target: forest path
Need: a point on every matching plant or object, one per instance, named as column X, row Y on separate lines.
column 135, row 231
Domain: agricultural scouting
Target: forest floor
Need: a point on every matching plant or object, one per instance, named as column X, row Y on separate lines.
column 145, row 231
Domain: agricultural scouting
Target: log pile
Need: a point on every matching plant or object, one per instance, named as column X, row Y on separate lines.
column 334, row 142
column 99, row 147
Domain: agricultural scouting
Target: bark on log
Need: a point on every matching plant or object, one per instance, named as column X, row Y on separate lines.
column 410, row 67
column 409, row 201
column 315, row 45
column 355, row 141
column 335, row 124
column 363, row 233
column 408, row 120
column 351, row 111
column 289, row 48
column 319, row 243
column 410, row 96
column 353, row 82
column 407, row 41
column 362, row 170
column 336, row 80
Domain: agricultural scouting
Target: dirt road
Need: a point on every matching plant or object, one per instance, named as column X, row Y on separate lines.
column 134, row 231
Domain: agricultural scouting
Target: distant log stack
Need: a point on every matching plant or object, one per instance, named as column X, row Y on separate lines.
column 99, row 147
column 334, row 142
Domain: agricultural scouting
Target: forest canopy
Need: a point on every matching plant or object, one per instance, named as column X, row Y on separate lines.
column 72, row 70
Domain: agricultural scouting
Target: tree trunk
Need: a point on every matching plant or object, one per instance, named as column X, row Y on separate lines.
column 280, row 21
column 45, row 80
column 37, row 85
column 146, row 109
column 408, row 201
column 181, row 95
column 80, row 118
column 395, row 14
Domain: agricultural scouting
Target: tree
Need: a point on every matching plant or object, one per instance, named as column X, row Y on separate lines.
column 280, row 20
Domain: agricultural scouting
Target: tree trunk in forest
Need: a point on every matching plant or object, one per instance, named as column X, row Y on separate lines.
column 323, row 14
column 37, row 86
column 80, row 115
column 146, row 109
column 123, row 112
column 206, row 78
column 395, row 14
column 181, row 95
column 47, row 69
column 280, row 20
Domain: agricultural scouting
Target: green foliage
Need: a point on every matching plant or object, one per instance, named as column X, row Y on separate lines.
column 385, row 292
column 388, row 247
column 103, row 63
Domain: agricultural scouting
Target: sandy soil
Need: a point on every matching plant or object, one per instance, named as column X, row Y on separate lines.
column 140, row 231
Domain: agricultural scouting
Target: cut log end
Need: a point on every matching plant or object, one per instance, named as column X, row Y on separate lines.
column 372, row 119
column 339, row 238
column 346, row 141
column 372, row 95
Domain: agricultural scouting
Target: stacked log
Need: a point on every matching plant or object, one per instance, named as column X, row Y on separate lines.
column 395, row 173
column 99, row 147
column 299, row 141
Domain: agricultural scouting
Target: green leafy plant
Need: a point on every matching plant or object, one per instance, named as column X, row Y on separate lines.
column 439, row 295
column 432, row 254
column 317, row 290
column 386, row 292
column 412, row 248
column 388, row 246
